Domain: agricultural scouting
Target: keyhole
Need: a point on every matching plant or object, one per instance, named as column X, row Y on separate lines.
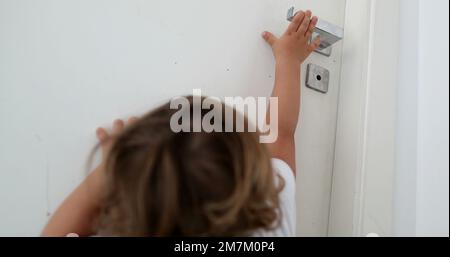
column 319, row 78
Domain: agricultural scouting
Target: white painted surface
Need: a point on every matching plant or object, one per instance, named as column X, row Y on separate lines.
column 316, row 133
column 68, row 66
column 365, row 149
column 373, row 107
column 378, row 163
column 433, row 120
column 350, row 126
column 422, row 187
column 406, row 136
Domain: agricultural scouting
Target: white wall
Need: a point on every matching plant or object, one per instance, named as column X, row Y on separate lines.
column 433, row 121
column 422, row 182
column 406, row 138
column 69, row 66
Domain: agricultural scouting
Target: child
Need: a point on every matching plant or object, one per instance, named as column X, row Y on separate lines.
column 154, row 182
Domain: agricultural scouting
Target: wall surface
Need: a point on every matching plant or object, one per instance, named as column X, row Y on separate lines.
column 422, row 184
column 433, row 119
column 391, row 166
column 406, row 124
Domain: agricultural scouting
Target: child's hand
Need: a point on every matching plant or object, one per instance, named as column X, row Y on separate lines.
column 105, row 138
column 294, row 44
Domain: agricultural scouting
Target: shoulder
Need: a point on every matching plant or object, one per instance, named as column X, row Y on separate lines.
column 287, row 201
column 282, row 168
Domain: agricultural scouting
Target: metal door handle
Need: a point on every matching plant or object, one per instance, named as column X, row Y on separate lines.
column 328, row 32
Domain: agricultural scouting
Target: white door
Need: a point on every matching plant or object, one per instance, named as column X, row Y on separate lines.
column 69, row 66
column 317, row 131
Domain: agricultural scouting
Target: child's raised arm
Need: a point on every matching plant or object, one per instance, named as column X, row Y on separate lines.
column 290, row 51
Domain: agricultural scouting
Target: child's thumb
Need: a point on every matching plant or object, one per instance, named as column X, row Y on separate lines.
column 269, row 37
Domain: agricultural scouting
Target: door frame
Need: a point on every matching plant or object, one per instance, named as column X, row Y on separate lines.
column 363, row 170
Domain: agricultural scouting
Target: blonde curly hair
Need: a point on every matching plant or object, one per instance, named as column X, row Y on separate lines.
column 161, row 183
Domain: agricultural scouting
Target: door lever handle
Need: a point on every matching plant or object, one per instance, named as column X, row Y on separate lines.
column 328, row 32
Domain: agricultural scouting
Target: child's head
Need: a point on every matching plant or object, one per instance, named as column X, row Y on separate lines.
column 162, row 183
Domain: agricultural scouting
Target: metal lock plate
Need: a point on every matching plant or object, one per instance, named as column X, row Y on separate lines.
column 317, row 78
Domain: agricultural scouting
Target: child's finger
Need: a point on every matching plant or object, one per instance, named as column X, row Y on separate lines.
column 269, row 37
column 104, row 139
column 305, row 24
column 102, row 135
column 313, row 46
column 132, row 120
column 312, row 25
column 298, row 18
column 118, row 126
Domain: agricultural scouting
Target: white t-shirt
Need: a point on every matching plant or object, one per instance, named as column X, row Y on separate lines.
column 287, row 203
